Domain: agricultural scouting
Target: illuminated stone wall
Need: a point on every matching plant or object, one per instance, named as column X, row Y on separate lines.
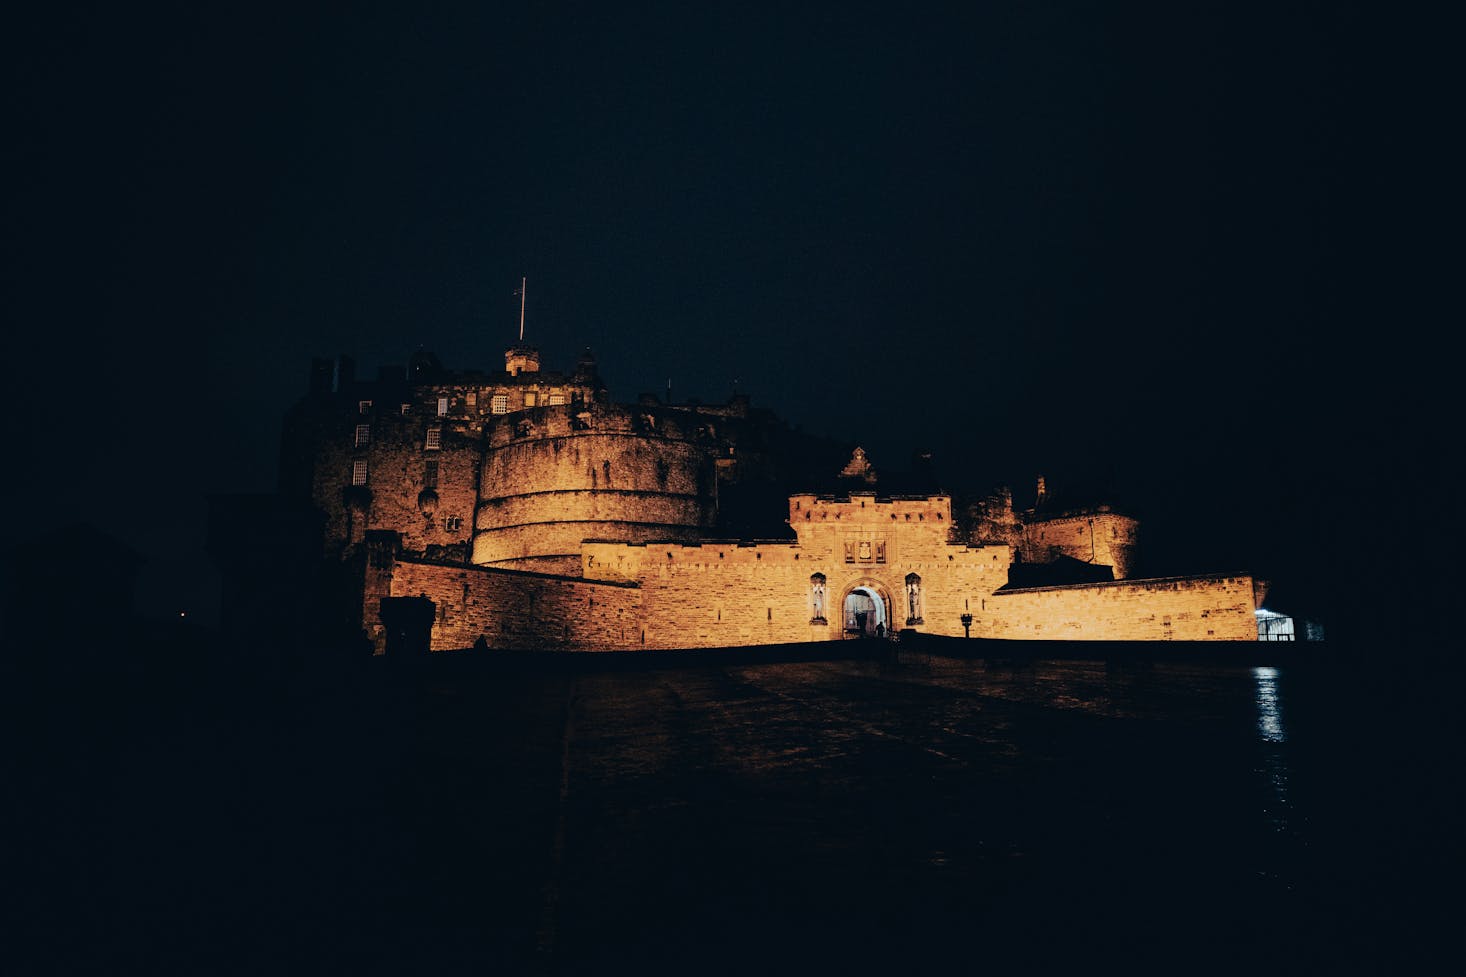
column 425, row 494
column 717, row 594
column 553, row 477
column 396, row 495
column 402, row 431
column 674, row 595
column 1102, row 537
column 513, row 609
column 714, row 594
column 1202, row 608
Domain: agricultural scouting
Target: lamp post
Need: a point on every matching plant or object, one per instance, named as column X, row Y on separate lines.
column 967, row 625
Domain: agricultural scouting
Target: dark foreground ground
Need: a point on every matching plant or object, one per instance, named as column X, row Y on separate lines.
column 929, row 814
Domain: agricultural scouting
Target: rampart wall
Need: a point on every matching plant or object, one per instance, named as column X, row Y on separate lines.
column 514, row 609
column 670, row 595
column 1216, row 607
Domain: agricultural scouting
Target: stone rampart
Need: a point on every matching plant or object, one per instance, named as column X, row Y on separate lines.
column 1214, row 607
column 514, row 609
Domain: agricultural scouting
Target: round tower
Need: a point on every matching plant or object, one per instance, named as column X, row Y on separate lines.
column 555, row 476
column 521, row 359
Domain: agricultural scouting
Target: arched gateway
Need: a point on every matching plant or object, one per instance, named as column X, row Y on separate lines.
column 866, row 611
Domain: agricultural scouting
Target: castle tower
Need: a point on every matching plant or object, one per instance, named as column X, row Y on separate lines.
column 521, row 359
column 571, row 472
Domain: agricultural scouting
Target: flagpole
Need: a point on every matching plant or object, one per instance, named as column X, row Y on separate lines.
column 523, row 285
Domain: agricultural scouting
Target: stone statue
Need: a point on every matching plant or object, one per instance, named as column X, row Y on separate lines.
column 913, row 598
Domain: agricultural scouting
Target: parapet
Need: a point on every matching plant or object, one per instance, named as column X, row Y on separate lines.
column 868, row 508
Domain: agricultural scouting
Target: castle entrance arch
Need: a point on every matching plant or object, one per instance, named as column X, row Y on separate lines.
column 866, row 612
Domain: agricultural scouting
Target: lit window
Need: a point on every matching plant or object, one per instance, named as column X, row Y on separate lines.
column 556, row 399
column 406, row 409
column 358, row 473
column 363, row 435
column 500, row 404
column 435, row 439
column 442, row 406
column 531, row 398
column 430, row 474
column 362, row 406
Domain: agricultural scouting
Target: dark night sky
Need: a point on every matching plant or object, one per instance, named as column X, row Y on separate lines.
column 1152, row 248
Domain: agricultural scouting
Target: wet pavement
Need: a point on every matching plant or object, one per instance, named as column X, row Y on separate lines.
column 817, row 816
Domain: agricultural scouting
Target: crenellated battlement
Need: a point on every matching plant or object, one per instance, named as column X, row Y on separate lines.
column 869, row 508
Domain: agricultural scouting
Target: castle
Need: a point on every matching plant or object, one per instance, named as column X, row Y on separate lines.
column 536, row 513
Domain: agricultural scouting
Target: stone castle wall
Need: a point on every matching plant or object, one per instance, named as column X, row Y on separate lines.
column 1203, row 608
column 673, row 595
column 717, row 594
column 387, row 424
column 514, row 609
column 712, row 594
column 553, row 477
column 1105, row 538
column 425, row 494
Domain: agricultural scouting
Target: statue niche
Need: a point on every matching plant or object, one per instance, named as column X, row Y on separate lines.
column 913, row 599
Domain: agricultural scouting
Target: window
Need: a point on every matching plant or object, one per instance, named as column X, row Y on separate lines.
column 430, row 474
column 556, row 399
column 363, row 435
column 499, row 404
column 363, row 406
column 406, row 409
column 453, row 523
column 358, row 473
column 531, row 399
column 434, row 440
column 442, row 406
